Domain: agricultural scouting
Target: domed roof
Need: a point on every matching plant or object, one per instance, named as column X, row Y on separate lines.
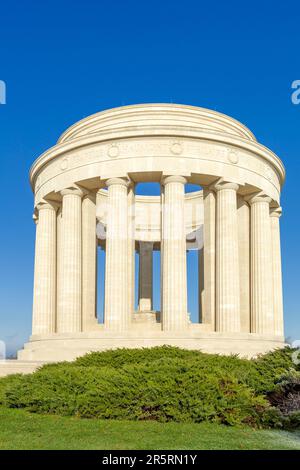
column 156, row 119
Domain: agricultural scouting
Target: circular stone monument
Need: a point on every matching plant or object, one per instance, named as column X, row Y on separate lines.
column 85, row 200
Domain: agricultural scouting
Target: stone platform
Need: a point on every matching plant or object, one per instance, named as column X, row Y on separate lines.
column 66, row 347
column 143, row 334
column 14, row 366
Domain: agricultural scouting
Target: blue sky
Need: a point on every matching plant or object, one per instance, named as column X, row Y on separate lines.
column 62, row 61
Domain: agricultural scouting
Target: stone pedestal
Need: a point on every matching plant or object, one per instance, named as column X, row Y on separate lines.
column 145, row 276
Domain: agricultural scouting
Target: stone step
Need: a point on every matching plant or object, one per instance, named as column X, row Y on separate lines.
column 15, row 366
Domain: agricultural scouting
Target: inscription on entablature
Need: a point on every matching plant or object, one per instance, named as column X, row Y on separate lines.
column 156, row 147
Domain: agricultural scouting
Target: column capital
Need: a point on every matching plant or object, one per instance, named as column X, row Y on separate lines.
column 90, row 195
column 72, row 190
column 276, row 212
column 46, row 205
column 131, row 184
column 118, row 181
column 173, row 179
column 224, row 184
column 258, row 197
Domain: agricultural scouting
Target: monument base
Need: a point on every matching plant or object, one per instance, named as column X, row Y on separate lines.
column 67, row 347
column 14, row 366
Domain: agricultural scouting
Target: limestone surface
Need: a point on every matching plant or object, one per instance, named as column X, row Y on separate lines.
column 84, row 200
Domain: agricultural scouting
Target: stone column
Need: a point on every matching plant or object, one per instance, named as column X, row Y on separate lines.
column 145, row 276
column 131, row 248
column 70, row 292
column 244, row 262
column 277, row 276
column 262, row 317
column 58, row 258
column 162, row 203
column 116, row 315
column 89, row 262
column 201, row 292
column 174, row 296
column 44, row 296
column 209, row 255
column 227, row 259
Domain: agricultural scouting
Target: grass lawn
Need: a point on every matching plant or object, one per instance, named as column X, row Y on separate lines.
column 22, row 430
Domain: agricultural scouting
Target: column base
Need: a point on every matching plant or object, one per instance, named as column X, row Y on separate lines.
column 66, row 347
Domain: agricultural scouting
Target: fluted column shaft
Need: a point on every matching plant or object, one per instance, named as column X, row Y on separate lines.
column 131, row 248
column 44, row 297
column 208, row 258
column 227, row 261
column 145, row 276
column 244, row 262
column 174, row 297
column 89, row 262
column 277, row 275
column 116, row 268
column 262, row 317
column 70, row 292
column 162, row 203
column 201, row 292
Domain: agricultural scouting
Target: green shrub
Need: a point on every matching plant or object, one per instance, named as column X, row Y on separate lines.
column 6, row 383
column 166, row 390
column 293, row 420
column 285, row 396
column 162, row 383
column 120, row 357
column 270, row 367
